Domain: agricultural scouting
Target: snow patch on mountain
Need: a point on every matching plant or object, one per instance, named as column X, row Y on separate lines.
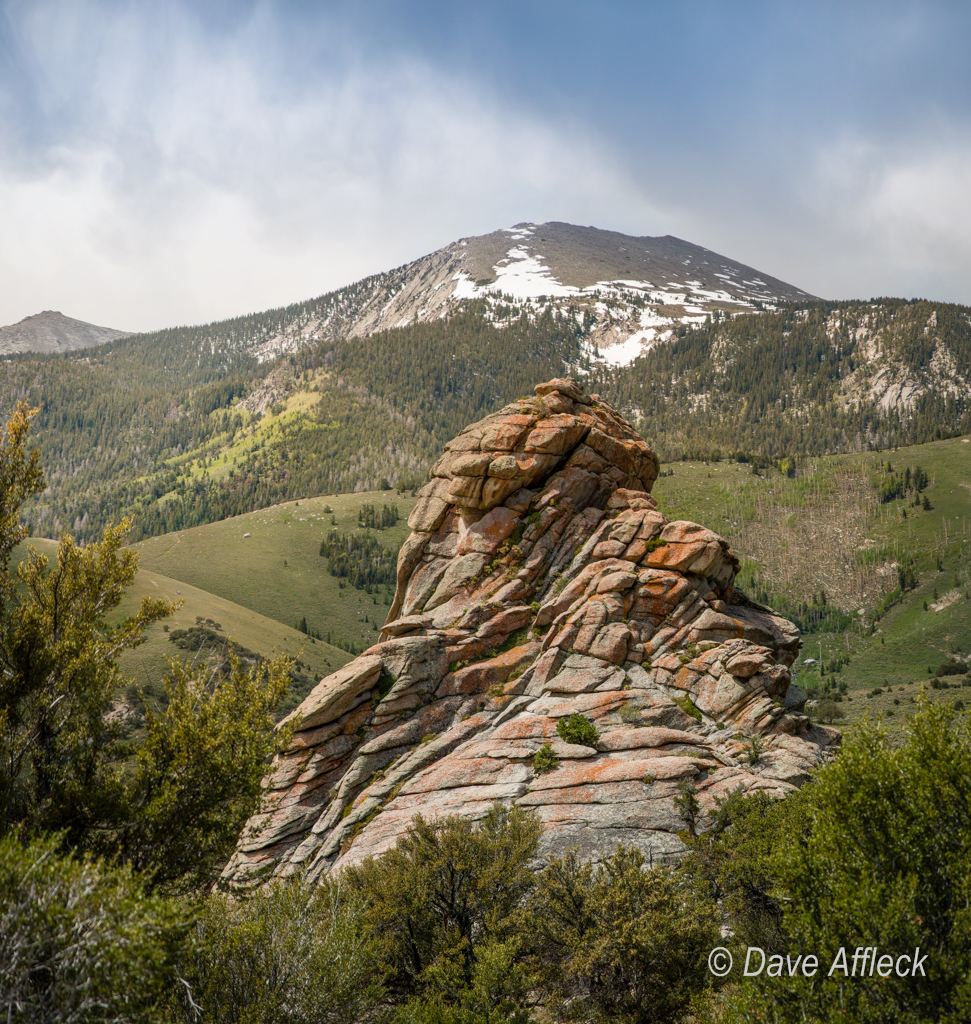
column 628, row 293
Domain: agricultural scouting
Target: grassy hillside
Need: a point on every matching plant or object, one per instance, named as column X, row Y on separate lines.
column 221, row 620
column 892, row 705
column 826, row 531
column 820, row 546
column 277, row 570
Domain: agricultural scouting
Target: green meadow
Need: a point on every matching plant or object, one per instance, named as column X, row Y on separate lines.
column 249, row 630
column 826, row 530
column 268, row 561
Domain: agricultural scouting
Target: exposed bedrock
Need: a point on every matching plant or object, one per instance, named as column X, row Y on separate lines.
column 540, row 580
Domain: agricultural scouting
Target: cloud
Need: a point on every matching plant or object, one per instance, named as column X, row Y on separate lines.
column 897, row 215
column 196, row 186
column 171, row 163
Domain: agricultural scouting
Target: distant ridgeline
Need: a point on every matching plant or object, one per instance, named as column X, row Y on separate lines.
column 813, row 379
column 152, row 424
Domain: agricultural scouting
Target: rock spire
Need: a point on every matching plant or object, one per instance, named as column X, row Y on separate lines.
column 540, row 581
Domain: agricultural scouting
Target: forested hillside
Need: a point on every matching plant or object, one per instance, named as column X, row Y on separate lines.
column 183, row 427
column 820, row 379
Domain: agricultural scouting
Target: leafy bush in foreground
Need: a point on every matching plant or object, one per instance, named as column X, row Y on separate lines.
column 79, row 941
column 174, row 807
column 291, row 953
column 876, row 852
column 619, row 941
column 446, row 892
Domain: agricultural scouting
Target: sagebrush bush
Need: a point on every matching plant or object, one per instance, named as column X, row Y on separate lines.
column 619, row 941
column 447, row 890
column 80, row 941
column 290, row 953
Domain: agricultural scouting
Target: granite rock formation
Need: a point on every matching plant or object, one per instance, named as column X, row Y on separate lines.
column 541, row 581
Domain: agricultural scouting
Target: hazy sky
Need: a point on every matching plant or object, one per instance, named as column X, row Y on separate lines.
column 168, row 163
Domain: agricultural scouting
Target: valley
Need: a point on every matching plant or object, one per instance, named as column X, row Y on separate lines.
column 821, row 531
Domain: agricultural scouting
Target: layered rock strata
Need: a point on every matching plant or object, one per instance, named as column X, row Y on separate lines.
column 539, row 581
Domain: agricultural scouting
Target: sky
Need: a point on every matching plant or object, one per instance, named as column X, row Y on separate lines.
column 166, row 163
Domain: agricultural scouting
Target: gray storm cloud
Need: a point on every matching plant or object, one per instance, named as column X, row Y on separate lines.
column 154, row 171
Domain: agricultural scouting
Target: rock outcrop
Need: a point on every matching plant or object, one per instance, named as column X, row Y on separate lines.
column 540, row 581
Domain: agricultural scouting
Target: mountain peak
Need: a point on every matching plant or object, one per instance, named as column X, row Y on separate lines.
column 629, row 292
column 52, row 331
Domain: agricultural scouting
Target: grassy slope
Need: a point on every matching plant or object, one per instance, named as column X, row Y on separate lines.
column 826, row 530
column 147, row 664
column 896, row 703
column 277, row 570
column 220, row 454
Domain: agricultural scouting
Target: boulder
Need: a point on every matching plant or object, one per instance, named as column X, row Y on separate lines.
column 540, row 581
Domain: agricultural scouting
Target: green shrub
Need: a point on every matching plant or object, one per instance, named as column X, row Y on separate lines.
column 544, row 760
column 499, row 986
column 631, row 714
column 687, row 804
column 876, row 852
column 196, row 777
column 79, row 941
column 290, row 953
column 687, row 705
column 174, row 809
column 620, row 941
column 753, row 748
column 446, row 891
column 577, row 729
column 829, row 711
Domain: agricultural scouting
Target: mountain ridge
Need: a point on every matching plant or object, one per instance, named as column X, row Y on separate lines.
column 628, row 295
column 627, row 292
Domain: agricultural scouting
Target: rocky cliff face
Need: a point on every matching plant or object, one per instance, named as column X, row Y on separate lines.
column 541, row 581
